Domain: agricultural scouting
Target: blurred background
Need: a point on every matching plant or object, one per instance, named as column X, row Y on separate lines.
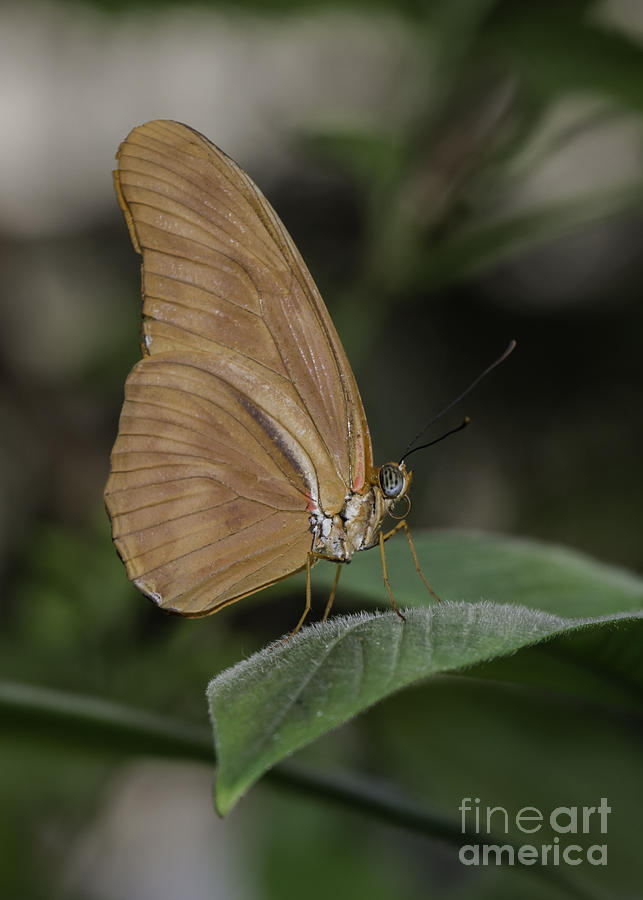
column 456, row 174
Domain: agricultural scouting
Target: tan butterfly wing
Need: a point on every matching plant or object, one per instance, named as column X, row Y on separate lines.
column 244, row 415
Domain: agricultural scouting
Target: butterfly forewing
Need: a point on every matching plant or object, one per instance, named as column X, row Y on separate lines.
column 243, row 416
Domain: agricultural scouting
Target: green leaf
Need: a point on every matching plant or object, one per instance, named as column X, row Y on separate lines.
column 291, row 693
column 470, row 565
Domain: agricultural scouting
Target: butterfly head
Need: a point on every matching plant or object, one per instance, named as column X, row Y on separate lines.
column 393, row 480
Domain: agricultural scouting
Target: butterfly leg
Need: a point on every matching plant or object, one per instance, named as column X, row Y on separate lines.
column 407, row 531
column 332, row 593
column 395, row 530
column 308, row 596
column 385, row 574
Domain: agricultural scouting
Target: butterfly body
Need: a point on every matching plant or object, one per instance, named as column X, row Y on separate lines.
column 357, row 526
column 243, row 453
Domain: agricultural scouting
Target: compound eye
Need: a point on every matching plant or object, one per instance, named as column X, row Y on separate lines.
column 392, row 480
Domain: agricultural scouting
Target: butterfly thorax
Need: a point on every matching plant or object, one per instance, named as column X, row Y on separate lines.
column 358, row 523
column 354, row 528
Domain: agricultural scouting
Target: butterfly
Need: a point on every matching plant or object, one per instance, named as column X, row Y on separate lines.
column 243, row 453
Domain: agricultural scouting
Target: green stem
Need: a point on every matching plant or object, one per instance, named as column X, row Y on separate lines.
column 379, row 802
column 61, row 717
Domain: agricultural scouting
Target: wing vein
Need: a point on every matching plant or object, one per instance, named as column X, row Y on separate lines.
column 185, row 534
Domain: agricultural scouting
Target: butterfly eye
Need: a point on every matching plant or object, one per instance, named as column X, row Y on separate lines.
column 392, row 480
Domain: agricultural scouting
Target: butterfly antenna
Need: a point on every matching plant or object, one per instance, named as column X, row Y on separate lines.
column 410, row 449
column 446, row 434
